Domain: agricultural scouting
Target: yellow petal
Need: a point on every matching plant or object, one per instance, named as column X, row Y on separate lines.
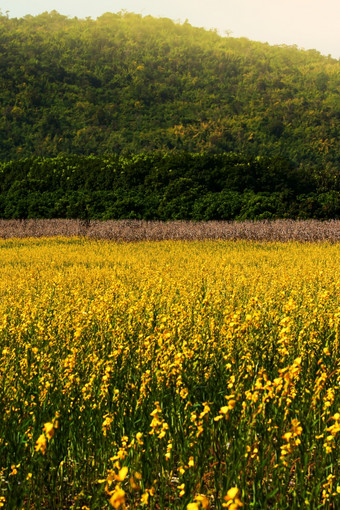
column 232, row 493
column 193, row 506
column 122, row 474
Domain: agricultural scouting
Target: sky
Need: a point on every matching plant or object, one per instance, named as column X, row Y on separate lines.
column 310, row 24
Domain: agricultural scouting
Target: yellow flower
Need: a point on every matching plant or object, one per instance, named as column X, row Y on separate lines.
column 231, row 404
column 134, row 484
column 193, row 506
column 224, row 410
column 118, row 498
column 287, row 436
column 232, row 493
column 232, row 499
column 181, row 488
column 41, row 444
column 139, row 436
column 122, row 474
column 77, row 332
column 14, row 470
column 201, row 498
column 49, row 430
column 296, row 428
column 145, row 498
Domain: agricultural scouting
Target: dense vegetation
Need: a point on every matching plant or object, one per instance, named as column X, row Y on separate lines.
column 151, row 94
column 125, row 83
column 165, row 186
column 171, row 375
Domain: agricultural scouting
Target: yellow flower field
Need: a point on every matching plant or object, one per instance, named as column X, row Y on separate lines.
column 169, row 375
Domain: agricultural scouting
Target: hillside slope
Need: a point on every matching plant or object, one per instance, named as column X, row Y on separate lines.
column 127, row 84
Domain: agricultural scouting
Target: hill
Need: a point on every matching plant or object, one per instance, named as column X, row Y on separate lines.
column 127, row 84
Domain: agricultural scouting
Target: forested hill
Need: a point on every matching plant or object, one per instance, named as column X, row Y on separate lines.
column 128, row 84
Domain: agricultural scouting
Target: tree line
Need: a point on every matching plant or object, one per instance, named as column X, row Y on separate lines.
column 165, row 186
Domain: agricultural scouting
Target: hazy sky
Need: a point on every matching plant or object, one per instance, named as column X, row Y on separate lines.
column 307, row 23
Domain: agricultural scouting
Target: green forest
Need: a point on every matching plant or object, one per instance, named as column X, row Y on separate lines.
column 244, row 129
column 164, row 186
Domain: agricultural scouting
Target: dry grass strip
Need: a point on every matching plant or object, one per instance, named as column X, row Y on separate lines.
column 140, row 230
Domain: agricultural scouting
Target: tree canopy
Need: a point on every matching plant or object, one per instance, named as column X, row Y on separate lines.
column 127, row 84
column 164, row 186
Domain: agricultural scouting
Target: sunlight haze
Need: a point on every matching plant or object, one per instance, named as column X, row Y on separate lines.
column 310, row 24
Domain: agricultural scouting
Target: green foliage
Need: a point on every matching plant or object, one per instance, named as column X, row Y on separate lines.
column 164, row 186
column 127, row 84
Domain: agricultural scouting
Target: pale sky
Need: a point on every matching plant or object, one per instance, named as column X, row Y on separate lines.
column 310, row 24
